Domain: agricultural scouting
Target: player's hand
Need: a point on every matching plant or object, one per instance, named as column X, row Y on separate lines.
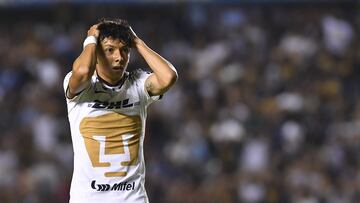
column 132, row 33
column 93, row 31
column 134, row 38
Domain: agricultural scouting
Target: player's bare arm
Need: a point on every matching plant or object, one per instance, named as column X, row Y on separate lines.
column 84, row 66
column 164, row 73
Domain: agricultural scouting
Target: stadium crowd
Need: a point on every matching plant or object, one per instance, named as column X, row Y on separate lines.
column 266, row 108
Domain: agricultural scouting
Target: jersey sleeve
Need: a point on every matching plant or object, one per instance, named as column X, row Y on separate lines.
column 66, row 88
column 66, row 84
column 144, row 94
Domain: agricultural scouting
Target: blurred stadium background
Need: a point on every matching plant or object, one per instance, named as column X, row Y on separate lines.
column 266, row 109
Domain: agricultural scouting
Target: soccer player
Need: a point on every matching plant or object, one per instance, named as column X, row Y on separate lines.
column 107, row 112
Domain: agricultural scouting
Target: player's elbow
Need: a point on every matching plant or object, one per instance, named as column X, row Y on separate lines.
column 83, row 73
column 170, row 78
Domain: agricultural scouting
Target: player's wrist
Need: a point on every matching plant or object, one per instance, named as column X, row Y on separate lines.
column 90, row 40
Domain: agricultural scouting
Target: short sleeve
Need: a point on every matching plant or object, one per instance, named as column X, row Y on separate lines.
column 66, row 83
column 66, row 87
column 142, row 76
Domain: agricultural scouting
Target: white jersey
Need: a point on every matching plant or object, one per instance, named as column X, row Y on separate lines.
column 107, row 130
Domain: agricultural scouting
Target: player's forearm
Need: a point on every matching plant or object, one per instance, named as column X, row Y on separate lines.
column 164, row 70
column 84, row 65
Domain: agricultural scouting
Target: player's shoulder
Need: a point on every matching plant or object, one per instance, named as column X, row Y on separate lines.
column 137, row 74
column 67, row 75
column 66, row 79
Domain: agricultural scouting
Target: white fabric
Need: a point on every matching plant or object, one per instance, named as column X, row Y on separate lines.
column 122, row 107
column 89, row 40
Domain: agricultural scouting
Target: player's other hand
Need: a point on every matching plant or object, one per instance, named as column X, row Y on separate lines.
column 93, row 31
column 135, row 39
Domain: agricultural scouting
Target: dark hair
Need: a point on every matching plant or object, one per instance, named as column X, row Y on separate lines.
column 116, row 29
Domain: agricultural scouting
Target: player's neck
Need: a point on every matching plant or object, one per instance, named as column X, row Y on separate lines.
column 110, row 81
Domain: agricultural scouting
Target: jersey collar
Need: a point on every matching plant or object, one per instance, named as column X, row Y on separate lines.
column 117, row 86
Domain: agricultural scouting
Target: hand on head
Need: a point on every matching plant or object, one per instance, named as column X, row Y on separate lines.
column 93, row 31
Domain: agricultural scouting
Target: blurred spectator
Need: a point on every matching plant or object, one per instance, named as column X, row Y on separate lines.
column 267, row 108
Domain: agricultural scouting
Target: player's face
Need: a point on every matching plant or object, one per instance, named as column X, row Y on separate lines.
column 113, row 57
